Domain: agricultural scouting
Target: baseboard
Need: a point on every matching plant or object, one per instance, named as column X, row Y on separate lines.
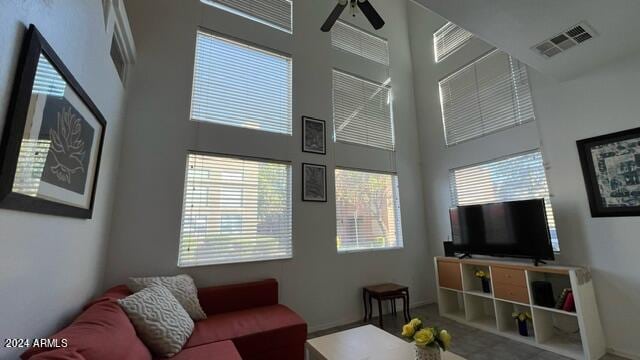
column 622, row 354
column 351, row 320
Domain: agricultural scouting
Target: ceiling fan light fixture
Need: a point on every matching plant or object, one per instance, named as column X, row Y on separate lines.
column 364, row 5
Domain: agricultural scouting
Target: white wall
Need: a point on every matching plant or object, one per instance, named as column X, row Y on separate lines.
column 321, row 285
column 601, row 102
column 50, row 266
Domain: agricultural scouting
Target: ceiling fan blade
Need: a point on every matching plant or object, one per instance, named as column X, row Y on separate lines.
column 333, row 17
column 371, row 14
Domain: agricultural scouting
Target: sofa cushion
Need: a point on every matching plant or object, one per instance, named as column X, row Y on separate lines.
column 160, row 321
column 222, row 350
column 59, row 354
column 102, row 331
column 252, row 330
column 181, row 286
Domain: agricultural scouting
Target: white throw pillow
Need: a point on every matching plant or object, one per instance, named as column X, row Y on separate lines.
column 181, row 286
column 159, row 319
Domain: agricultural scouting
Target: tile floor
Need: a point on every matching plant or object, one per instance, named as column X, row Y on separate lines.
column 468, row 342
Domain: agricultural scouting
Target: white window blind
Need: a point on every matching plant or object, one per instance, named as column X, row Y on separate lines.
column 485, row 96
column 275, row 13
column 239, row 85
column 362, row 111
column 448, row 39
column 235, row 210
column 520, row 177
column 367, row 210
column 349, row 38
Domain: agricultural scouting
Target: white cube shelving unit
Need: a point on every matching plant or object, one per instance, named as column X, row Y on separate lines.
column 577, row 335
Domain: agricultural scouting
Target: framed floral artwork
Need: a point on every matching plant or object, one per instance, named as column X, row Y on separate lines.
column 314, row 182
column 53, row 137
column 314, row 135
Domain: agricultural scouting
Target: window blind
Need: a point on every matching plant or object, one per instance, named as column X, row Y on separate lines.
column 367, row 210
column 235, row 210
column 240, row 85
column 349, row 38
column 275, row 13
column 448, row 39
column 519, row 177
column 485, row 96
column 362, row 111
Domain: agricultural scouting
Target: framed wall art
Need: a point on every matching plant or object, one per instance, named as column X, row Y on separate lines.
column 611, row 169
column 314, row 135
column 53, row 137
column 314, row 182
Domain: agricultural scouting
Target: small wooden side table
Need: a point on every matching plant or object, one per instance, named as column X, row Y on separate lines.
column 382, row 292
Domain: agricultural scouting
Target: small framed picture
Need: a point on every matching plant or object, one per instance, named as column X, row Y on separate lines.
column 314, row 182
column 52, row 140
column 611, row 169
column 314, row 135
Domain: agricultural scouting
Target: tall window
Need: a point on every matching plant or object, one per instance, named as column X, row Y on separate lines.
column 240, row 85
column 519, row 177
column 359, row 42
column 448, row 39
column 275, row 13
column 362, row 111
column 367, row 211
column 486, row 96
column 235, row 210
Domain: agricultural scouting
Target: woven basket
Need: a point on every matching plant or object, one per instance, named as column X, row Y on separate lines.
column 427, row 353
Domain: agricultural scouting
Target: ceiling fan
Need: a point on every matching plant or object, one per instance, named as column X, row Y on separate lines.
column 364, row 5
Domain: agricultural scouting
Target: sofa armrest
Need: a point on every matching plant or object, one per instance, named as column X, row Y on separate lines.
column 226, row 298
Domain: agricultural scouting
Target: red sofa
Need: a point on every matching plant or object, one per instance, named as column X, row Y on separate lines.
column 244, row 321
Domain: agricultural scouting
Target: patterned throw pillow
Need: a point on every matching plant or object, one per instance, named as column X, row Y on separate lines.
column 181, row 286
column 160, row 321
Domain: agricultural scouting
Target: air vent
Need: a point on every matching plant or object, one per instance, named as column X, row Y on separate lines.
column 564, row 41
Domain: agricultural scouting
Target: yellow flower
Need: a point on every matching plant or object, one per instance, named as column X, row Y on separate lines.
column 424, row 337
column 480, row 274
column 445, row 337
column 408, row 330
column 415, row 322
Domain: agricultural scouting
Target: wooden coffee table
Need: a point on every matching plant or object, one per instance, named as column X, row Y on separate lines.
column 365, row 342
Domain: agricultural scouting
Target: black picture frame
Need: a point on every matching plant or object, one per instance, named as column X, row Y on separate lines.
column 84, row 125
column 310, row 185
column 310, row 143
column 622, row 150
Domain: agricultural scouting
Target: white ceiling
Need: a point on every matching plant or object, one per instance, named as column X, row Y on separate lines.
column 516, row 25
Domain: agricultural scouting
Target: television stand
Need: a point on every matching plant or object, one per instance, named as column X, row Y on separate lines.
column 465, row 255
column 462, row 298
column 538, row 261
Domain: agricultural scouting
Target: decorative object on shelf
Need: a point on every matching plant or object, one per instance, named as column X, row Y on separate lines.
column 569, row 303
column 611, row 169
column 53, row 137
column 542, row 292
column 583, row 275
column 484, row 277
column 521, row 319
column 314, row 182
column 562, row 298
column 314, row 135
column 428, row 340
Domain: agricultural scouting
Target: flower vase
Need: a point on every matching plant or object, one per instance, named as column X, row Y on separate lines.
column 427, row 353
column 522, row 327
column 486, row 285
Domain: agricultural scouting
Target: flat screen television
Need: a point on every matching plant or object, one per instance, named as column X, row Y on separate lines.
column 510, row 229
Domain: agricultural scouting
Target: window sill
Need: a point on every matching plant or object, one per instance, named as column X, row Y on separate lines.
column 231, row 262
column 350, row 251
